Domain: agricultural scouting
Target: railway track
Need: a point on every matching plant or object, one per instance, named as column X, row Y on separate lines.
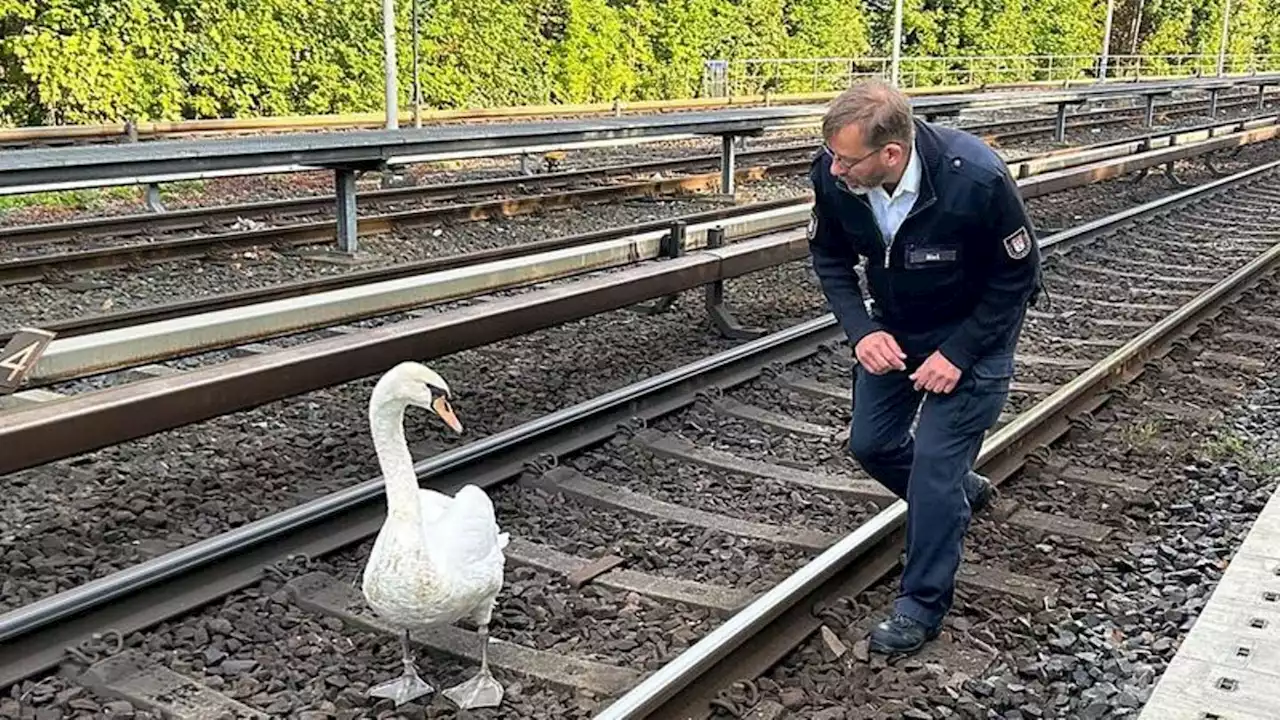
column 997, row 131
column 156, row 225
column 1092, row 163
column 714, row 503
column 17, row 138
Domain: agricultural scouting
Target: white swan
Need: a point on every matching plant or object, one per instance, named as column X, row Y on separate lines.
column 437, row 559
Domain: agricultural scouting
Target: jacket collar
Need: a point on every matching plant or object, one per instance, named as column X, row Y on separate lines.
column 928, row 147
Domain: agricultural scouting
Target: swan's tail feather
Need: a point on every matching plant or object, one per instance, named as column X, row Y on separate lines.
column 503, row 539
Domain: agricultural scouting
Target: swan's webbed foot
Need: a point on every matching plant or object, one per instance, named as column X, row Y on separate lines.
column 406, row 687
column 480, row 691
column 403, row 689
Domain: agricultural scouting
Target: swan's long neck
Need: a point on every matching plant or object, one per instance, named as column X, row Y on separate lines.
column 386, row 423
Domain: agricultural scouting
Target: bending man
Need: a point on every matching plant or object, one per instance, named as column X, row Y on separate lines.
column 951, row 266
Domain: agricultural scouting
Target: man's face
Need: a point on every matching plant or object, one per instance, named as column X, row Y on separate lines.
column 859, row 165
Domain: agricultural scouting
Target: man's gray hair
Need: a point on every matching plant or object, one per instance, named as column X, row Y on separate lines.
column 878, row 108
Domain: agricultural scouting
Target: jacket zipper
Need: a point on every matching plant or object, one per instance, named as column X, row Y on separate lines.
column 888, row 246
column 914, row 210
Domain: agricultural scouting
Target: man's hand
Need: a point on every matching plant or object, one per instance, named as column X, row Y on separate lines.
column 936, row 375
column 879, row 353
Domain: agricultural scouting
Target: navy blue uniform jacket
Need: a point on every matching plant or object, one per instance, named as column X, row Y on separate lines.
column 960, row 272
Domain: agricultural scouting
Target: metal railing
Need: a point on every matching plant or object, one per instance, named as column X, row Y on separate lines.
column 757, row 76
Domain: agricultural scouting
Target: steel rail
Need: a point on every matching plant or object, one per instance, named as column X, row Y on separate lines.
column 1102, row 117
column 98, row 323
column 683, row 687
column 1054, row 181
column 136, row 598
column 85, row 355
column 34, row 269
column 150, row 131
column 193, row 218
column 27, row 171
column 33, row 638
column 90, row 421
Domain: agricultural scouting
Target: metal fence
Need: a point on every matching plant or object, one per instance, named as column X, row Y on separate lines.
column 757, row 76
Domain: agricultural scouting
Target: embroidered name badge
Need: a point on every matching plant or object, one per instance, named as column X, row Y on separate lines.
column 813, row 224
column 1018, row 245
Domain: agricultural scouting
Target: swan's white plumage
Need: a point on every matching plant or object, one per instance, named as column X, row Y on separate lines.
column 437, row 559
column 442, row 566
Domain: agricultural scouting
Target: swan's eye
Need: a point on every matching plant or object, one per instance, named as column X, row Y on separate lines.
column 436, row 390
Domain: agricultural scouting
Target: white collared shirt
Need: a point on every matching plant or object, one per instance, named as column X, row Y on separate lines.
column 891, row 210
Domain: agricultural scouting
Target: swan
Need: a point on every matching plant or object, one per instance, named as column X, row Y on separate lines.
column 437, row 559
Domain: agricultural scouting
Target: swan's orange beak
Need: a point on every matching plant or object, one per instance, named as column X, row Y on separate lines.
column 445, row 411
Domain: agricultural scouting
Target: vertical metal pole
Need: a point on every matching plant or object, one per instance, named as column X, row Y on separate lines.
column 1151, row 111
column 897, row 42
column 1222, row 45
column 728, row 160
column 345, row 185
column 1106, row 40
column 389, row 49
column 1137, row 27
column 1060, row 130
column 154, row 203
column 417, row 86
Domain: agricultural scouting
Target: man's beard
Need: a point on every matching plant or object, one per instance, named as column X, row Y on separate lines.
column 868, row 182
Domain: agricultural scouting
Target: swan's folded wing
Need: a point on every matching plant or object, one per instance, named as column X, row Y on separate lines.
column 469, row 543
column 434, row 506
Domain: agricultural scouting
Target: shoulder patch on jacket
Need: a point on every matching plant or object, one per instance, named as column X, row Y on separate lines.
column 812, row 230
column 1018, row 245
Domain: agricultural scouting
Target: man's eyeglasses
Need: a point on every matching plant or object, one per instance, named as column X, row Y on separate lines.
column 848, row 164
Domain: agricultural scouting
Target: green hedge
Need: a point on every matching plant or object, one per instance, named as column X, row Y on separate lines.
column 78, row 61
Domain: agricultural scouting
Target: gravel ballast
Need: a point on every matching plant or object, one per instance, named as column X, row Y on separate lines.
column 1095, row 649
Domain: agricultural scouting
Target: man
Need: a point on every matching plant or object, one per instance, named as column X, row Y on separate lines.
column 952, row 265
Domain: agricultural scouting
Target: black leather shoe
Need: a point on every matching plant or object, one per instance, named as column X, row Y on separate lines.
column 901, row 635
column 981, row 492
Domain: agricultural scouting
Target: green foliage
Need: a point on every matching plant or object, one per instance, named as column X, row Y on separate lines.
column 76, row 61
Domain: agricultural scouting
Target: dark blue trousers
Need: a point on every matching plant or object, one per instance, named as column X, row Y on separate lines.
column 931, row 470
